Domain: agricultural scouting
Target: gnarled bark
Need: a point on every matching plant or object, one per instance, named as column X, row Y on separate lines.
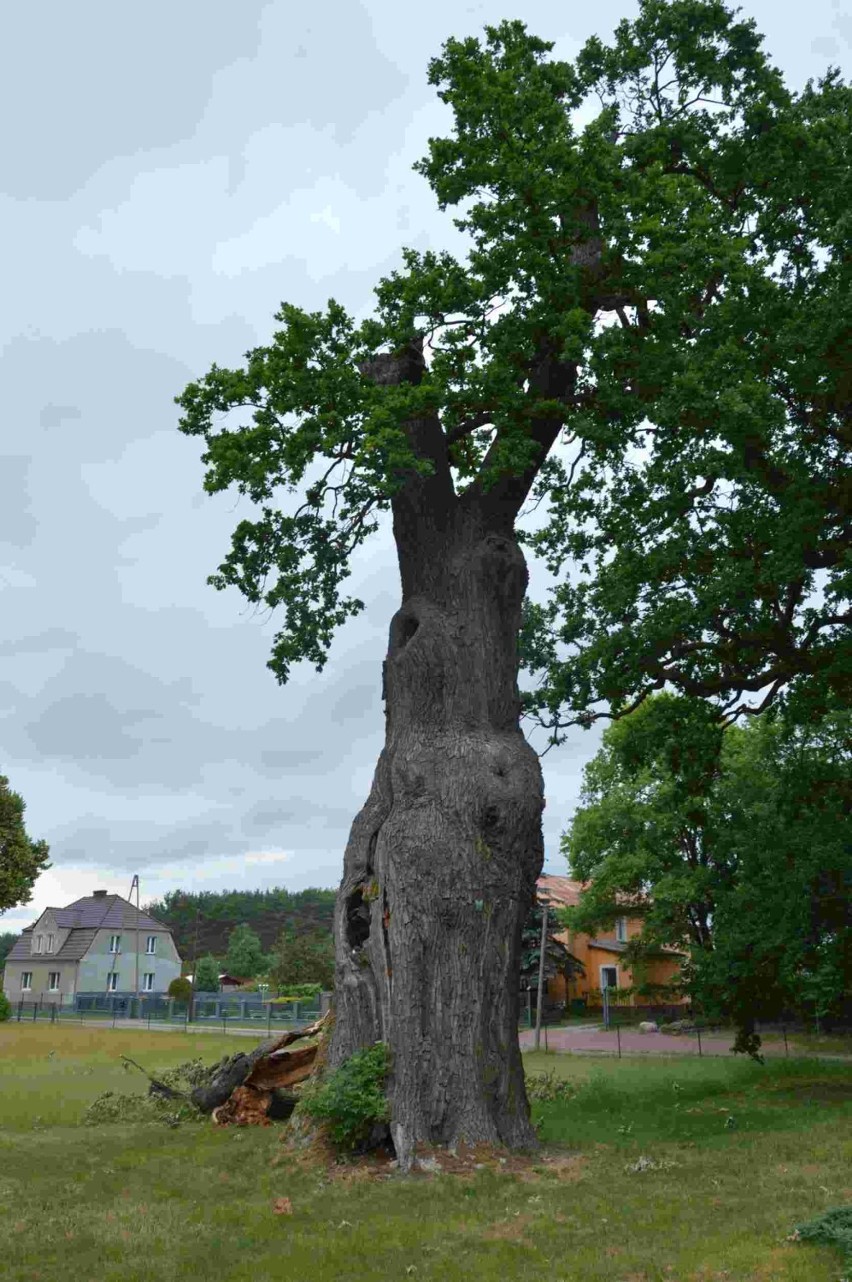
column 441, row 864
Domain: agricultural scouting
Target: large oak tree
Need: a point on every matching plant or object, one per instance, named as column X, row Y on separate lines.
column 658, row 292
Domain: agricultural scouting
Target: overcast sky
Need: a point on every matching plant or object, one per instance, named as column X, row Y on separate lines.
column 171, row 173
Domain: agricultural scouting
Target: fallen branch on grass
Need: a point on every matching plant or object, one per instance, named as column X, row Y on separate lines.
column 157, row 1087
column 250, row 1089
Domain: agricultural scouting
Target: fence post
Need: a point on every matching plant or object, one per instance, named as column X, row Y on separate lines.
column 786, row 1047
column 224, row 1021
column 113, row 1014
column 698, row 1030
column 269, row 1019
column 20, row 1008
column 35, row 1011
column 618, row 1035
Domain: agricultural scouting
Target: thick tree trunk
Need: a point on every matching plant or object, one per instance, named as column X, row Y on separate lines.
column 441, row 864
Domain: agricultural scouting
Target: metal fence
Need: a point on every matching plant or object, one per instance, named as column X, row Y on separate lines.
column 204, row 1011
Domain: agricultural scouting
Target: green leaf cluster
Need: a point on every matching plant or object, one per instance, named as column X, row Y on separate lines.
column 734, row 844
column 831, row 1228
column 245, row 957
column 180, row 989
column 21, row 859
column 351, row 1100
column 201, row 920
column 557, row 959
column 304, row 959
column 206, row 977
column 665, row 292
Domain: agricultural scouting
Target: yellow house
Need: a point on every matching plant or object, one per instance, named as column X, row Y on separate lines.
column 601, row 956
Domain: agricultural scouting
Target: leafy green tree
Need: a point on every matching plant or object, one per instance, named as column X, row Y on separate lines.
column 245, row 957
column 648, row 334
column 557, row 959
column 7, row 943
column 735, row 844
column 5, row 1008
column 206, row 979
column 303, row 959
column 21, row 860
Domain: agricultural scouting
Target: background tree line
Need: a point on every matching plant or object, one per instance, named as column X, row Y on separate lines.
column 201, row 922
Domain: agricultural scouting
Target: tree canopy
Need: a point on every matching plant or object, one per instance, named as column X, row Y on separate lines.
column 201, row 920
column 557, row 959
column 735, row 844
column 21, row 859
column 303, row 958
column 245, row 958
column 650, row 334
column 206, row 977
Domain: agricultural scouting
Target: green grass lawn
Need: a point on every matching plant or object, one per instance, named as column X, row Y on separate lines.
column 144, row 1202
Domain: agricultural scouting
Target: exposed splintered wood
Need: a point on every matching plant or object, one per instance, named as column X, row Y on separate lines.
column 282, row 1068
column 235, row 1071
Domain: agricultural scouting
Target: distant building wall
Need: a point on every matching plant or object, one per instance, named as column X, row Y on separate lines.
column 99, row 961
column 40, row 970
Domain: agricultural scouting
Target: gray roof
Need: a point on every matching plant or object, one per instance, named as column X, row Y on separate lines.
column 619, row 946
column 84, row 918
column 76, row 945
column 103, row 912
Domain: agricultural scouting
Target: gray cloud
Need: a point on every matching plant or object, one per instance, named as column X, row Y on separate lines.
column 149, row 232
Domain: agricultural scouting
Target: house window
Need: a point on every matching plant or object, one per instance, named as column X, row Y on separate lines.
column 115, row 943
column 112, row 981
column 151, row 945
column 26, row 981
column 50, row 940
column 609, row 977
column 39, row 943
column 53, row 981
column 148, row 982
column 621, row 929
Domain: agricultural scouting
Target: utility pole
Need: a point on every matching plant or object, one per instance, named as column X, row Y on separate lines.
column 194, row 959
column 135, row 883
column 541, row 975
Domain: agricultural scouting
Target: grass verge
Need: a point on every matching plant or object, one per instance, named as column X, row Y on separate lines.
column 669, row 1170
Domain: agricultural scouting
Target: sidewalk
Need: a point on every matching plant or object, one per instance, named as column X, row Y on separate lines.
column 596, row 1041
column 259, row 1033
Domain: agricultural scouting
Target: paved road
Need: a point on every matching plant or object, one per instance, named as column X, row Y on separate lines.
column 595, row 1041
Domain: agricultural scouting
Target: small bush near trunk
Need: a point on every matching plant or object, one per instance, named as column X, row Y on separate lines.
column 352, row 1098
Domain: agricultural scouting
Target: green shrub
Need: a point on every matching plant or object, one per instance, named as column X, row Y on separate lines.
column 180, row 989
column 5, row 1008
column 548, row 1087
column 298, row 992
column 351, row 1100
column 832, row 1228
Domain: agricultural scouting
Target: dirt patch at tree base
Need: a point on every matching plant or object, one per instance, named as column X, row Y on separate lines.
column 463, row 1161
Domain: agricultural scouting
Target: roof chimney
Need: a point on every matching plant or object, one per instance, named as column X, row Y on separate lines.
column 99, row 894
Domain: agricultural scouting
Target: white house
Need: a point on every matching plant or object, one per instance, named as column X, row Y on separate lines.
column 98, row 944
